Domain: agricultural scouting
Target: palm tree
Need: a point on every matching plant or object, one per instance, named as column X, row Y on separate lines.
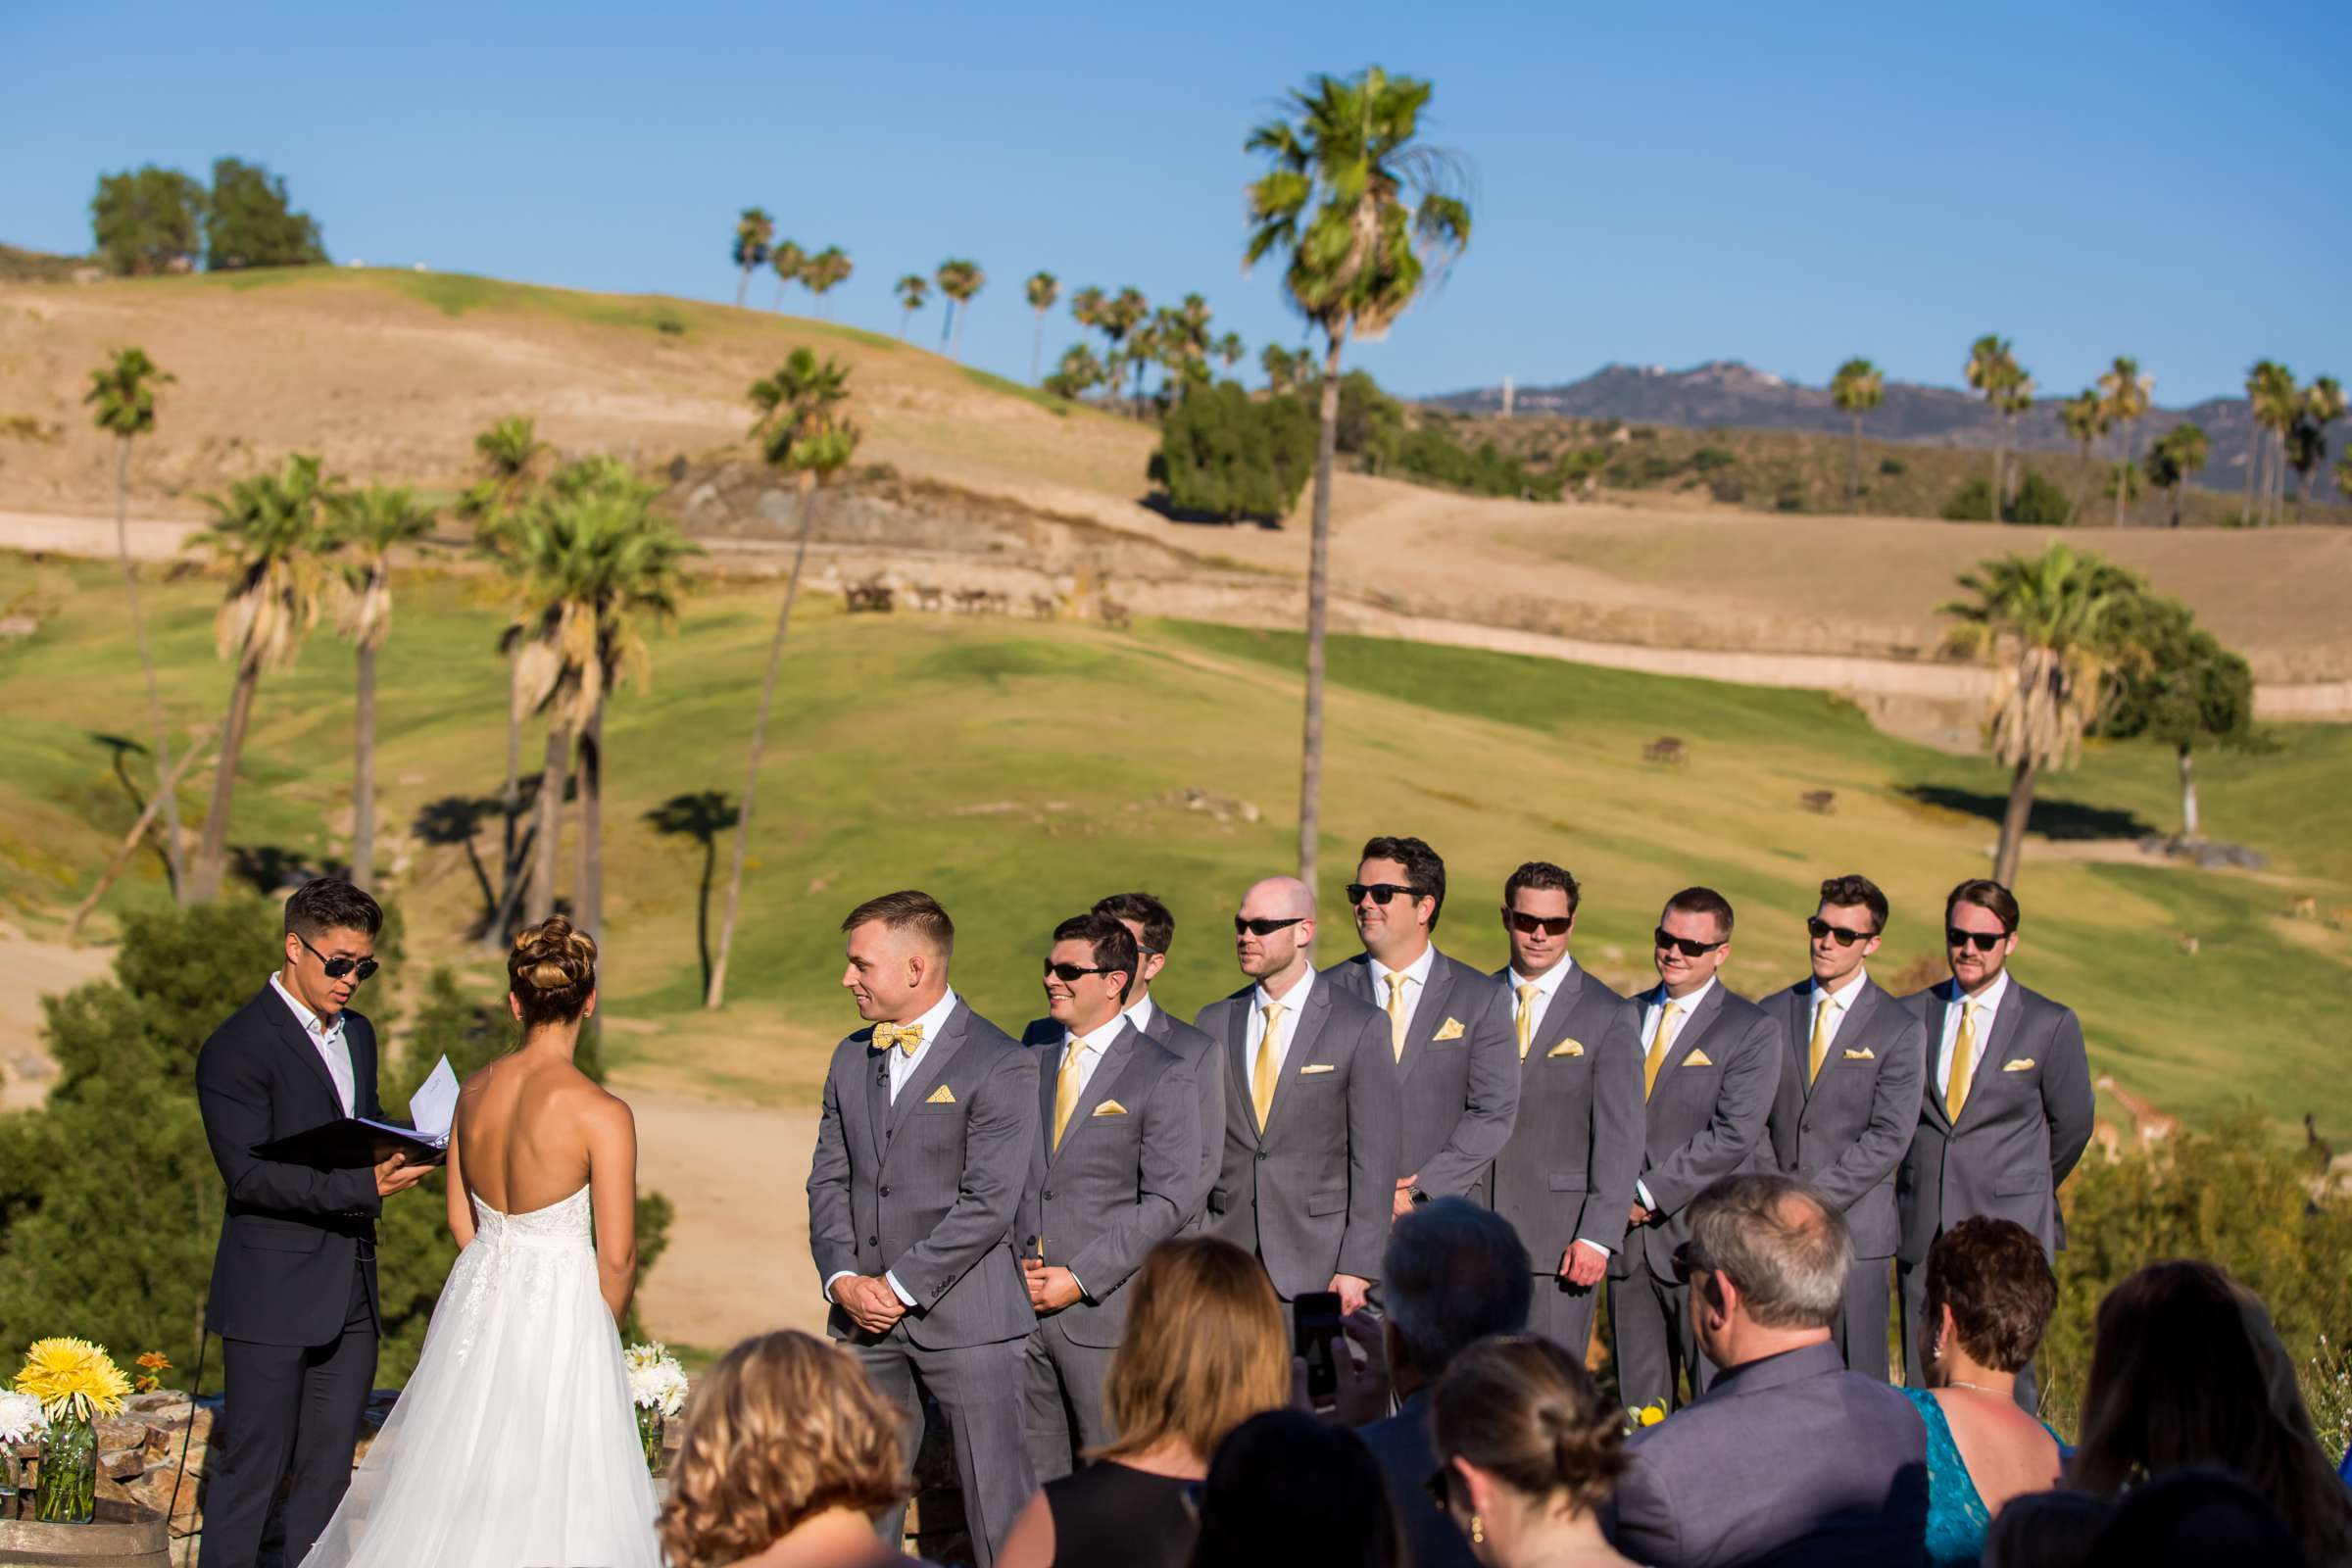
column 1078, row 371
column 753, row 231
column 123, row 394
column 2173, row 458
column 801, row 432
column 1230, row 350
column 959, row 279
column 792, row 267
column 2043, row 626
column 912, row 290
column 1857, row 388
column 2343, row 477
column 594, row 567
column 371, row 522
column 1282, row 367
column 267, row 529
column 2123, row 394
column 1992, row 370
column 2323, row 405
column 510, row 451
column 1120, row 318
column 1363, row 213
column 1043, row 289
column 2085, row 418
column 825, row 270
column 2276, row 402
column 2015, row 399
column 2257, row 374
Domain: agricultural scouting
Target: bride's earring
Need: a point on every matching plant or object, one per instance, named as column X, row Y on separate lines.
column 1477, row 1531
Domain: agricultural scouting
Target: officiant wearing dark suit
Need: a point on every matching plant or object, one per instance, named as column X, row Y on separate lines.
column 293, row 1289
column 922, row 1151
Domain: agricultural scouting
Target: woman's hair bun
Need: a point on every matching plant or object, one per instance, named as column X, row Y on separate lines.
column 552, row 971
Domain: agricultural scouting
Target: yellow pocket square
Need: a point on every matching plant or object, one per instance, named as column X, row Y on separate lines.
column 1316, row 1066
column 1567, row 1047
column 942, row 1096
column 1110, row 1108
column 2018, row 1064
column 1451, row 1029
column 1864, row 1055
column 1698, row 1058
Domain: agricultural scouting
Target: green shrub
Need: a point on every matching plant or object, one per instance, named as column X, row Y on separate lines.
column 1893, row 467
column 1371, row 423
column 1971, row 504
column 2041, row 503
column 1226, row 455
column 1708, row 459
column 1434, row 455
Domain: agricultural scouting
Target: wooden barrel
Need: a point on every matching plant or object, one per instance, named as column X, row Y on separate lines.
column 123, row 1536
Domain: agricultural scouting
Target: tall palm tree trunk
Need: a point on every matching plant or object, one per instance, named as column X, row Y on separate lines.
column 510, row 803
column 169, row 814
column 1996, row 481
column 716, row 993
column 1037, row 349
column 363, row 772
column 743, row 286
column 588, row 904
column 946, row 323
column 1318, row 595
column 2246, row 512
column 212, row 851
column 2013, row 824
column 540, row 903
column 1853, row 469
column 2188, row 795
column 2122, row 468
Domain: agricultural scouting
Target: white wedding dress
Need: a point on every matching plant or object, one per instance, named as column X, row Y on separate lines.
column 514, row 1444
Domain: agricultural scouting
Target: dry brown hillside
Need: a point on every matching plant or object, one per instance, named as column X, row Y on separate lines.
column 389, row 374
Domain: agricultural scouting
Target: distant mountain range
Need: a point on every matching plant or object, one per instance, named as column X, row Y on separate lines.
column 1727, row 393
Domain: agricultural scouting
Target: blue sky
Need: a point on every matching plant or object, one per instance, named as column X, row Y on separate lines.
column 1783, row 185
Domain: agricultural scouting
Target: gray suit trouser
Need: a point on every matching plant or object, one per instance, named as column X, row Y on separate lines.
column 1861, row 1329
column 1064, row 1389
column 978, row 1388
column 1913, row 1278
column 1563, row 1313
column 1657, row 1343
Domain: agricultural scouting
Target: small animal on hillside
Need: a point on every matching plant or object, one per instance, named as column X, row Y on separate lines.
column 1115, row 615
column 996, row 604
column 930, row 596
column 1824, row 801
column 872, row 596
column 971, row 601
column 1044, row 606
column 1667, row 749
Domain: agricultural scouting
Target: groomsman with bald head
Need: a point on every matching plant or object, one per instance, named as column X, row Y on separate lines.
column 1312, row 1134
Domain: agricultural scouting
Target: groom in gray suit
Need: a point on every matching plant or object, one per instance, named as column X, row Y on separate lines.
column 1116, row 1159
column 922, row 1151
column 2007, row 1107
column 1312, row 1129
column 1849, row 1099
column 1449, row 1030
column 1154, row 929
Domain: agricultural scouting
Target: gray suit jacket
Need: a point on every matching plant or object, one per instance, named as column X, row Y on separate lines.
column 925, row 1187
column 1458, row 1095
column 1408, row 1458
column 1115, row 1188
column 1311, row 1192
column 1200, row 1054
column 1705, row 1118
column 1792, row 1460
column 1569, row 1168
column 2025, row 1121
column 1846, row 1131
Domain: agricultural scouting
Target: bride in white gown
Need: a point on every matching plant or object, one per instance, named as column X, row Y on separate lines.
column 514, row 1442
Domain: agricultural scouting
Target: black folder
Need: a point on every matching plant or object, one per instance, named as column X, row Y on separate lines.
column 353, row 1144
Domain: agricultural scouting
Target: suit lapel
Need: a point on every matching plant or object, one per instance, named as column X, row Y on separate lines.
column 1994, row 1049
column 298, row 1040
column 1118, row 1057
column 1693, row 1034
column 934, row 1066
column 1858, row 1015
column 1303, row 1035
column 1558, row 1013
column 1429, row 1014
column 1236, row 1057
column 872, row 1077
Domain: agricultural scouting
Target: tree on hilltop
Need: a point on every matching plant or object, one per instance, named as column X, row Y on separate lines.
column 2125, row 395
column 1284, row 368
column 959, row 279
column 1043, row 289
column 2085, row 419
column 826, row 271
column 2173, row 458
column 148, row 221
column 248, row 222
column 2322, row 405
column 1857, row 388
column 1992, row 370
column 372, row 524
column 755, row 231
column 912, row 290
column 792, row 267
column 1078, row 372
column 1362, row 211
column 2180, row 688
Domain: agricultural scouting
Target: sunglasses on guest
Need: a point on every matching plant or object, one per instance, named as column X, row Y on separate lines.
column 1379, row 893
column 1687, row 948
column 1526, row 925
column 337, row 968
column 1983, row 941
column 1846, row 939
column 1264, row 928
column 1069, row 974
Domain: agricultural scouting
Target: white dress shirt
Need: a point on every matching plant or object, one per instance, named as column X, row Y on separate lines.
column 1286, row 1027
column 1547, row 986
column 1416, row 981
column 902, row 1068
column 328, row 1040
column 1988, row 1003
column 1090, row 1048
column 1842, row 1003
column 1653, row 1008
column 1140, row 1015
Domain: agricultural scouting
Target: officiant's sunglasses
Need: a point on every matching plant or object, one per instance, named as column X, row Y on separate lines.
column 1069, row 974
column 1846, row 939
column 1380, row 893
column 1526, row 925
column 1986, row 941
column 337, row 968
column 1689, row 948
column 1264, row 928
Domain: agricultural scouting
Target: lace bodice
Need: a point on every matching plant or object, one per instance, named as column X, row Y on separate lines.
column 563, row 1221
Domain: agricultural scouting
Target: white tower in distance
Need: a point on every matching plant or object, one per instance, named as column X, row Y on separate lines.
column 1507, row 394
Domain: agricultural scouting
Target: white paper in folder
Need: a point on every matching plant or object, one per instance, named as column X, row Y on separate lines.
column 433, row 1108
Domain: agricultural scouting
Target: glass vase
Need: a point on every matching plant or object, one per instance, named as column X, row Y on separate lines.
column 649, row 1437
column 66, row 1491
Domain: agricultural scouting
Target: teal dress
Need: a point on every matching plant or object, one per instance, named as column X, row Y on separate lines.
column 1957, row 1517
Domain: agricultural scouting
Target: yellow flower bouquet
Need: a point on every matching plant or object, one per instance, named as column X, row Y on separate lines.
column 75, row 1382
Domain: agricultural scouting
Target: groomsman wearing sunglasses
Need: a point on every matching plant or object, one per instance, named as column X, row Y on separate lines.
column 1710, row 1064
column 1115, row 1161
column 1849, row 1099
column 1565, row 1179
column 1450, row 1029
column 1312, row 1134
column 1153, row 929
column 2006, row 1110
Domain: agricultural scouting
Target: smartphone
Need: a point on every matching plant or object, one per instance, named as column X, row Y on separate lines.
column 1316, row 1316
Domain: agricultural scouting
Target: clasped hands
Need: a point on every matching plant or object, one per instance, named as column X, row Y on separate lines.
column 869, row 1301
column 1051, row 1285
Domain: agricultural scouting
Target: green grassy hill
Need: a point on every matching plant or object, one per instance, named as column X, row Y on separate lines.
column 1019, row 770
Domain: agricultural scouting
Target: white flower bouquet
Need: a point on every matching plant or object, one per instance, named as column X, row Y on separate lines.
column 658, row 1389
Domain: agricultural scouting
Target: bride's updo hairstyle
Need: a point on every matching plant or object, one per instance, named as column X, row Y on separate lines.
column 783, row 1428
column 552, row 971
column 1530, row 1415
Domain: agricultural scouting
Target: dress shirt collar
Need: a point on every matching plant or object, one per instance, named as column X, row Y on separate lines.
column 1987, row 1000
column 1686, row 1006
column 1846, row 997
column 936, row 1020
column 1416, row 971
column 1140, row 1015
column 312, row 1024
column 1547, row 983
column 1291, row 1002
column 1100, row 1040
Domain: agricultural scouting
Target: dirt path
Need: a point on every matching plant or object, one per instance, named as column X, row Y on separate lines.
column 29, row 971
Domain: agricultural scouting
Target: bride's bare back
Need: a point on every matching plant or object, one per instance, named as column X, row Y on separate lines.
column 524, row 1126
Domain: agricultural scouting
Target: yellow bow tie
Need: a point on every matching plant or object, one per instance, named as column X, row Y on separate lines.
column 905, row 1036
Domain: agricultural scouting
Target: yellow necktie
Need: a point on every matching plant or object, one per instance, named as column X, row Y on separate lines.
column 1065, row 1089
column 905, row 1036
column 1527, row 1017
column 1820, row 1048
column 1262, row 1076
column 1397, row 1015
column 1659, row 1044
column 1964, row 1061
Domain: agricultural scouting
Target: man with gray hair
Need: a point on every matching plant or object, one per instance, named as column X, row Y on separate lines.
column 1453, row 1273
column 1787, row 1457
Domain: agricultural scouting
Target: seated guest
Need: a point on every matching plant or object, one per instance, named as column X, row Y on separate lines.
column 2193, row 1518
column 787, row 1457
column 1453, row 1273
column 1286, row 1491
column 1787, row 1457
column 1203, row 1349
column 1532, row 1451
column 1990, row 1295
column 2177, row 1383
column 2045, row 1530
